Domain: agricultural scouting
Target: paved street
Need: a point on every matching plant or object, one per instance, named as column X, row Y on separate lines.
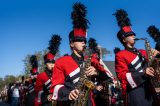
column 4, row 104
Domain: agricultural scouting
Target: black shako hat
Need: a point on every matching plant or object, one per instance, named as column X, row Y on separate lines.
column 124, row 24
column 34, row 65
column 54, row 44
column 154, row 33
column 80, row 23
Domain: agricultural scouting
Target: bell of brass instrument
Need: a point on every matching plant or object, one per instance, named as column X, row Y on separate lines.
column 154, row 63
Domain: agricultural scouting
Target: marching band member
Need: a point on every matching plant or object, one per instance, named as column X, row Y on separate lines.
column 131, row 66
column 66, row 72
column 30, row 83
column 43, row 82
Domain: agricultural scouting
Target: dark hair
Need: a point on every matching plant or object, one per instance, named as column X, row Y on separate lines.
column 120, row 37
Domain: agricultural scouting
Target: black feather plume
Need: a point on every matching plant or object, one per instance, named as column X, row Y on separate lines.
column 154, row 33
column 93, row 46
column 122, row 18
column 78, row 16
column 116, row 50
column 33, row 61
column 54, row 44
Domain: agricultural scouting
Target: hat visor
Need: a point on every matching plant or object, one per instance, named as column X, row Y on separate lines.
column 129, row 34
column 79, row 39
column 50, row 61
column 36, row 73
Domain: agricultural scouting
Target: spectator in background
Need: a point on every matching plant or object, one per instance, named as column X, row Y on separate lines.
column 15, row 95
column 9, row 93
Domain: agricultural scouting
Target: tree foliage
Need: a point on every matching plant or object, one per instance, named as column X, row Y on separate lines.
column 104, row 52
column 40, row 58
column 7, row 80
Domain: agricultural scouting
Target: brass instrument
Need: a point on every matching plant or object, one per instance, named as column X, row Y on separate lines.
column 28, row 79
column 53, row 103
column 105, row 91
column 154, row 63
column 84, row 85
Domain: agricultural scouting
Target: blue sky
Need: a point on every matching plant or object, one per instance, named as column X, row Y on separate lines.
column 27, row 25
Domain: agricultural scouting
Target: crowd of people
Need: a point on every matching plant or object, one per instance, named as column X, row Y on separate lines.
column 12, row 94
column 15, row 94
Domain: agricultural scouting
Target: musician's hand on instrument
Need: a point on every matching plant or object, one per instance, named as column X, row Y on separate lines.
column 149, row 71
column 91, row 71
column 155, row 52
column 73, row 95
column 99, row 87
column 49, row 97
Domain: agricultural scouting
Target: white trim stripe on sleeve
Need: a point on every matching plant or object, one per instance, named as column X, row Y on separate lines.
column 139, row 65
column 55, row 92
column 76, row 80
column 135, row 60
column 47, row 82
column 74, row 72
column 39, row 95
column 130, row 80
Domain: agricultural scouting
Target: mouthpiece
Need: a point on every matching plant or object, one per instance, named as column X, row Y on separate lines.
column 140, row 39
column 136, row 39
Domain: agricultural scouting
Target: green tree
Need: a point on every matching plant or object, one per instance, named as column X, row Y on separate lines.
column 27, row 66
column 40, row 58
column 1, row 83
column 9, row 79
column 104, row 52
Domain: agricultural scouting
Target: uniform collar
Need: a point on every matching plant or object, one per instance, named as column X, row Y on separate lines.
column 79, row 60
column 134, row 50
column 48, row 72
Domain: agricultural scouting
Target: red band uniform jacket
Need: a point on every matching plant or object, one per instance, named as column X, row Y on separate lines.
column 130, row 65
column 30, row 92
column 42, row 87
column 66, row 74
